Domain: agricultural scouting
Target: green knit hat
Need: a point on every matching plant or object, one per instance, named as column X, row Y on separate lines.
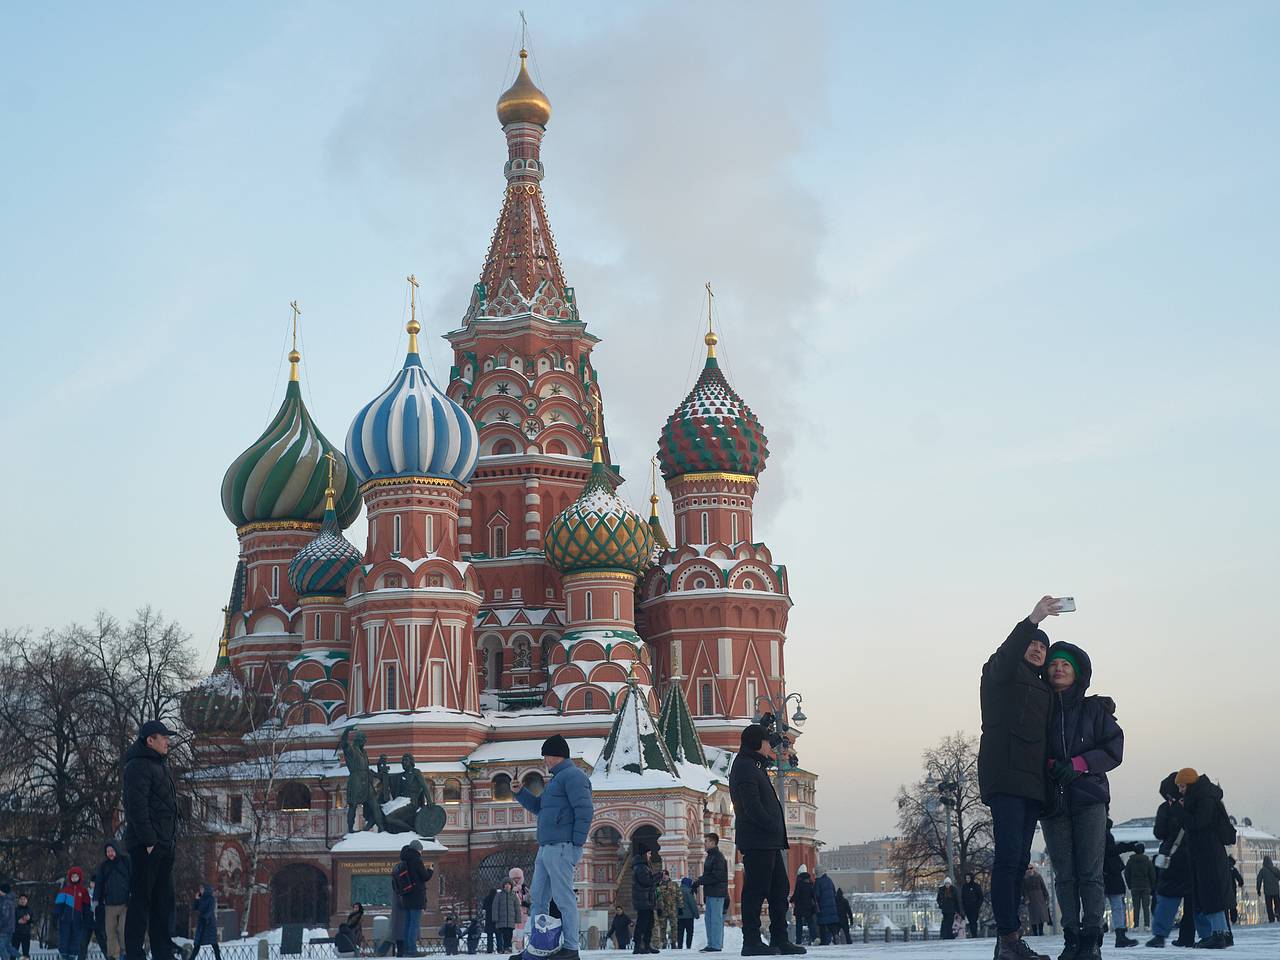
column 1067, row 656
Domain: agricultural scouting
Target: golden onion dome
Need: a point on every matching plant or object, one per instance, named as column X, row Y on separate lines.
column 524, row 102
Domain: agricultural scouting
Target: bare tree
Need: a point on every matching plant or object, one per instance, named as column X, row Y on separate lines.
column 920, row 854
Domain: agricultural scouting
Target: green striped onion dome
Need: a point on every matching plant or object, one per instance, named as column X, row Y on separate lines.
column 320, row 568
column 218, row 704
column 712, row 431
column 598, row 531
column 283, row 475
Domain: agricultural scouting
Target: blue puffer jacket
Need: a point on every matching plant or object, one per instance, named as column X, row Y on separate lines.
column 564, row 808
column 1083, row 726
column 824, row 892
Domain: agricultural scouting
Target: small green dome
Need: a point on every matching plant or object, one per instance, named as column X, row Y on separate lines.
column 320, row 568
column 598, row 531
column 283, row 475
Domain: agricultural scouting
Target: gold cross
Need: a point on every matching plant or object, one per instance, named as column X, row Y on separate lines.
column 710, row 296
column 332, row 460
column 293, row 305
column 413, row 289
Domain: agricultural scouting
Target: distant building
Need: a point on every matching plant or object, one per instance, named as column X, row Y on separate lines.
column 860, row 867
column 896, row 909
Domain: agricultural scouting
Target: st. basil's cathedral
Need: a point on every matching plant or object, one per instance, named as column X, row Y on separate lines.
column 506, row 593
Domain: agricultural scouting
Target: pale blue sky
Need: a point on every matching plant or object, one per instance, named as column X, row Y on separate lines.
column 999, row 279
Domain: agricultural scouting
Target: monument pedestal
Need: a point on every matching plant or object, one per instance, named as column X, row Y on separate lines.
column 362, row 865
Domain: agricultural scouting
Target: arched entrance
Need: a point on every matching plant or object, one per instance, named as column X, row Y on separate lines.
column 299, row 894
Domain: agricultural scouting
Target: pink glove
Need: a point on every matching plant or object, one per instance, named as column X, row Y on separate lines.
column 1079, row 765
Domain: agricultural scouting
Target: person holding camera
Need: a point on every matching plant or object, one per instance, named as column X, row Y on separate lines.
column 1085, row 742
column 761, row 835
column 1016, row 702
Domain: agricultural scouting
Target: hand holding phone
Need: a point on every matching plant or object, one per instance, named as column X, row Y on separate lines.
column 1065, row 604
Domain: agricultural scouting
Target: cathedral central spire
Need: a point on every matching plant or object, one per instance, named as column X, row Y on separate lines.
column 522, row 272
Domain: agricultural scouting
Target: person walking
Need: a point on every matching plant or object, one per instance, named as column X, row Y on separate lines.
column 150, row 837
column 8, row 920
column 1268, row 885
column 667, row 911
column 1209, row 832
column 802, row 906
column 1140, row 875
column 1233, row 895
column 644, row 884
column 1016, row 703
column 206, row 909
column 111, row 882
column 490, row 931
column 714, row 882
column 971, row 898
column 73, row 911
column 760, row 831
column 22, row 927
column 564, row 810
column 1085, row 742
column 689, row 912
column 620, row 927
column 409, row 881
column 824, row 898
column 505, row 908
column 1113, row 886
column 844, row 910
column 450, row 934
column 1036, row 894
column 473, row 935
column 949, row 903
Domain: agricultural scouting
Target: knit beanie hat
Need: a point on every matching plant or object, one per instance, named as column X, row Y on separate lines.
column 555, row 746
column 1066, row 655
column 753, row 736
column 1187, row 776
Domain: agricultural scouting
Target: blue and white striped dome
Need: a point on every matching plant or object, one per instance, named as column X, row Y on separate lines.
column 412, row 429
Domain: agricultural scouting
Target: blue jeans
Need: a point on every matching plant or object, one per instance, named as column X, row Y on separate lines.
column 1076, row 841
column 1014, row 827
column 553, row 872
column 1209, row 923
column 1163, row 915
column 409, row 933
column 713, row 921
column 1119, row 917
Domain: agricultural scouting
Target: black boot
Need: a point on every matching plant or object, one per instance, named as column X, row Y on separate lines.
column 789, row 949
column 1071, row 944
column 1215, row 941
column 1156, row 941
column 1123, row 939
column 1011, row 946
column 1090, row 944
column 753, row 946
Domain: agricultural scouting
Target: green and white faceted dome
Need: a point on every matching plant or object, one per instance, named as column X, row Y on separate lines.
column 321, row 567
column 599, row 531
column 283, row 475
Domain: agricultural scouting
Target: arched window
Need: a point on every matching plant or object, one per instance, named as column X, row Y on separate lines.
column 503, row 448
column 294, row 796
column 617, row 606
column 502, row 787
column 498, row 548
column 588, row 606
column 533, row 782
column 275, row 583
column 706, row 700
column 431, row 533
column 793, row 791
column 733, row 527
column 557, row 447
column 706, row 527
column 589, row 700
column 389, row 700
column 452, row 792
column 522, row 659
column 395, row 534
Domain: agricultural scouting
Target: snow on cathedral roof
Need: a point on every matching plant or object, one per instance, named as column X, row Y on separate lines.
column 675, row 723
column 635, row 755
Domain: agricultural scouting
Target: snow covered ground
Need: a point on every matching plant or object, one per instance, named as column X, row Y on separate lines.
column 1252, row 943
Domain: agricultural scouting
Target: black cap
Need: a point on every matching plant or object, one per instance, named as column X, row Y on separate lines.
column 555, row 746
column 152, row 727
column 753, row 736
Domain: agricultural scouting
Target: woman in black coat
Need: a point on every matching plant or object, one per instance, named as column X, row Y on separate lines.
column 644, row 880
column 1209, row 831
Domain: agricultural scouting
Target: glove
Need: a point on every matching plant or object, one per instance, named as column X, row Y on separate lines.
column 1064, row 772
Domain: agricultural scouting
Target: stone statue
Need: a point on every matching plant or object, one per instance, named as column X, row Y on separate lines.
column 386, row 787
column 360, row 789
column 413, row 784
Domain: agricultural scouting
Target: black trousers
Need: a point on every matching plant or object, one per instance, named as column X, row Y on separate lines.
column 764, row 877
column 644, row 929
column 217, row 954
column 1273, row 907
column 150, row 903
column 972, row 924
column 1013, row 822
column 684, row 933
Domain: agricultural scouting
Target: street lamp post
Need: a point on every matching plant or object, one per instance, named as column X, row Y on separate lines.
column 775, row 722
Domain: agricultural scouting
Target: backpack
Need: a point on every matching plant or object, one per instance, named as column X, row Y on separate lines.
column 402, row 879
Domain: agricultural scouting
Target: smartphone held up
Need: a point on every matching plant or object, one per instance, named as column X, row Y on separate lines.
column 1064, row 604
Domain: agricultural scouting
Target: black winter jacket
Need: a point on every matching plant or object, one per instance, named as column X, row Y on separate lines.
column 1208, row 831
column 1083, row 726
column 643, row 881
column 1140, row 873
column 948, row 900
column 150, row 800
column 715, row 874
column 802, row 897
column 971, row 897
column 759, row 823
column 1113, row 864
column 416, row 898
column 1268, row 879
column 1015, row 720
column 111, row 879
column 1174, row 879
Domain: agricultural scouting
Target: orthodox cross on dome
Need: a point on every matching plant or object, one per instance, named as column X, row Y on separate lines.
column 710, row 339
column 294, row 355
column 653, row 487
column 329, row 492
column 413, row 326
column 597, row 432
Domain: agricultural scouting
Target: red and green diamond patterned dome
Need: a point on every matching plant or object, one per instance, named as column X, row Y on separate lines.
column 713, row 430
column 598, row 531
